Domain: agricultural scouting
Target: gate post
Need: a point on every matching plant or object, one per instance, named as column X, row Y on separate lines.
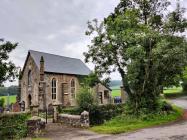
column 34, row 110
column 55, row 113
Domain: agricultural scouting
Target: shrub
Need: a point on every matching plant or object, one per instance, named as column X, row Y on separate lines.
column 85, row 98
column 184, row 85
column 2, row 101
column 13, row 126
column 71, row 110
column 98, row 114
column 165, row 106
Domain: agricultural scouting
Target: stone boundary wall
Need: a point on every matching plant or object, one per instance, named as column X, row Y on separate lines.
column 35, row 126
column 75, row 120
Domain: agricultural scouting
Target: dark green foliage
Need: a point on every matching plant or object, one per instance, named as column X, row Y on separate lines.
column 93, row 79
column 184, row 84
column 98, row 114
column 2, row 101
column 85, row 98
column 166, row 106
column 72, row 111
column 174, row 95
column 143, row 42
column 8, row 70
column 13, row 126
column 12, row 90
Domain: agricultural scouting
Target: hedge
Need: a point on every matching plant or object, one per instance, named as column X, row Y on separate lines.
column 175, row 95
column 13, row 125
column 98, row 113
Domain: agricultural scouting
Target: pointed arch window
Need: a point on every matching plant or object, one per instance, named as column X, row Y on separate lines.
column 29, row 78
column 73, row 88
column 54, row 88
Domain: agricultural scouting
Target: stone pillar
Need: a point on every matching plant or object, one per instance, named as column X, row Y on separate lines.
column 55, row 116
column 34, row 126
column 84, row 120
column 42, row 86
column 42, row 69
column 123, row 95
column 34, row 110
column 55, row 113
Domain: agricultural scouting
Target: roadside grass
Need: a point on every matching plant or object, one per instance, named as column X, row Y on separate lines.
column 12, row 99
column 123, row 123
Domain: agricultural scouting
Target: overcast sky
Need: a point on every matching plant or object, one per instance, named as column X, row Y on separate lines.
column 54, row 26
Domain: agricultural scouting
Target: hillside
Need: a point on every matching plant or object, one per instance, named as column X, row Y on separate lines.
column 115, row 84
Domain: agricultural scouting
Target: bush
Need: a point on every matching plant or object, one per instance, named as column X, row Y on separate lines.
column 2, row 101
column 71, row 110
column 13, row 126
column 85, row 98
column 98, row 114
column 165, row 106
column 184, row 85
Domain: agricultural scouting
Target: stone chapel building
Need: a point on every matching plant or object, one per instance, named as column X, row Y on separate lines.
column 48, row 78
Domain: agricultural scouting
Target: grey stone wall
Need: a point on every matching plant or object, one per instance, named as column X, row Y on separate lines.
column 67, row 99
column 33, row 89
column 35, row 125
column 75, row 120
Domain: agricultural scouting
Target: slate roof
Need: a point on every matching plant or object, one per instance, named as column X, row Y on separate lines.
column 60, row 64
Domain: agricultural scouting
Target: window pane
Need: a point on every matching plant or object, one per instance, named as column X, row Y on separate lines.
column 53, row 88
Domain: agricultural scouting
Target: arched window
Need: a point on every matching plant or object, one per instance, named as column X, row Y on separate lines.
column 53, row 88
column 73, row 88
column 29, row 78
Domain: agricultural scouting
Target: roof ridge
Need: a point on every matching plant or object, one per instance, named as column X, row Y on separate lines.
column 54, row 54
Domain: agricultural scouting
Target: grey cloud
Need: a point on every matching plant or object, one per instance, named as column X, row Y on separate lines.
column 55, row 26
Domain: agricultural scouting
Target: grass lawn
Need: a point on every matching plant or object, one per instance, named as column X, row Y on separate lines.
column 123, row 123
column 12, row 99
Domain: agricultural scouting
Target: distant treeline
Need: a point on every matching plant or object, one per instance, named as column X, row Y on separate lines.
column 12, row 90
column 115, row 83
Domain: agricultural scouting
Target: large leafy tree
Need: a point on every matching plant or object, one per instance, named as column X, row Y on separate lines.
column 8, row 70
column 144, row 42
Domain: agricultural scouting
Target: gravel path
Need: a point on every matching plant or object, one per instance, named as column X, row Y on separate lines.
column 175, row 131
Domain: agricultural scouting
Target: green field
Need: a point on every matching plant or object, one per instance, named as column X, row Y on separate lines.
column 12, row 99
column 116, row 91
column 173, row 90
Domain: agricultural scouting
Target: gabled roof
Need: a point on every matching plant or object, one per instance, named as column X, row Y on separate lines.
column 60, row 64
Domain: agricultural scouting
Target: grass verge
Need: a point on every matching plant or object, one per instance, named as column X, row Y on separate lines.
column 125, row 123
